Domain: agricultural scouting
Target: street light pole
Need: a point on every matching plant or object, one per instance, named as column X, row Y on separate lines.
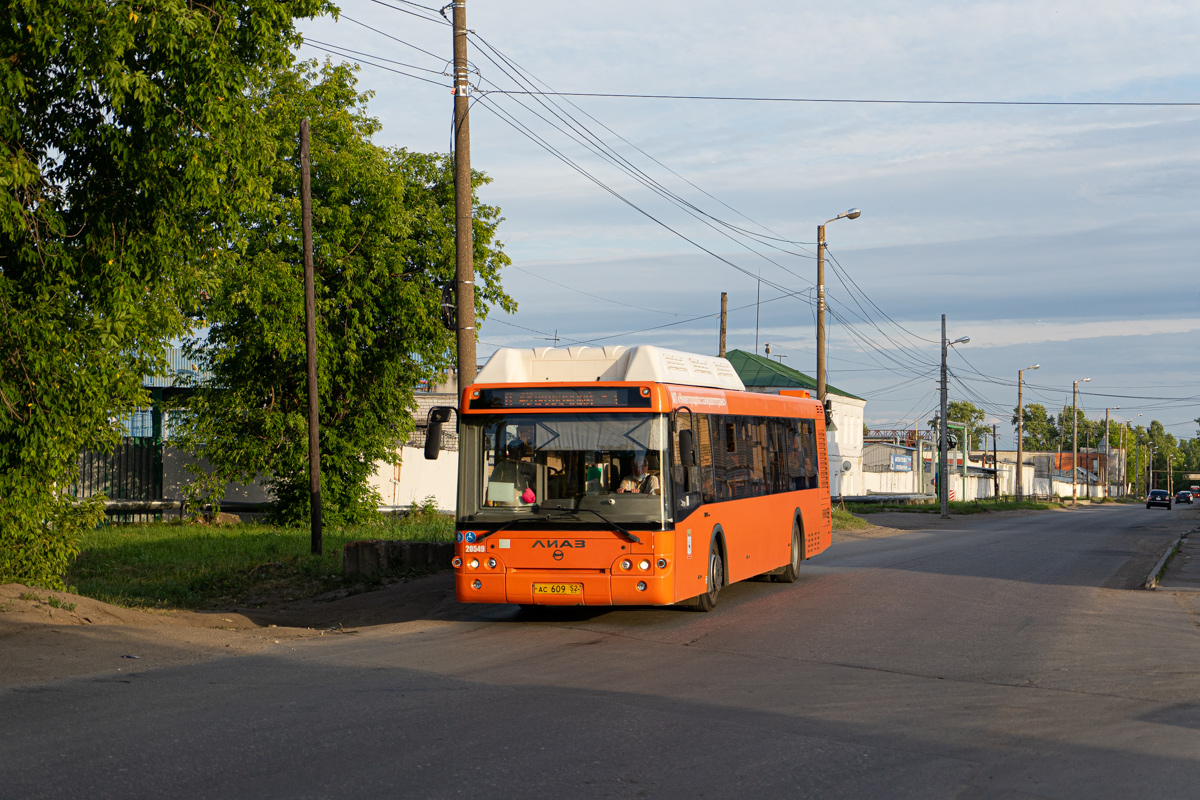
column 1021, row 430
column 853, row 213
column 1107, row 450
column 1075, row 441
column 943, row 481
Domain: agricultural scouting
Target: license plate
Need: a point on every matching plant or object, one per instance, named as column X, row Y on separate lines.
column 558, row 588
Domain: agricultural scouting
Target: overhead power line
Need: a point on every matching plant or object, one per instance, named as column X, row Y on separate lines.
column 866, row 101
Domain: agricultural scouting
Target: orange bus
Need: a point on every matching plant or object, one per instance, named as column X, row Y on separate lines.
column 630, row 476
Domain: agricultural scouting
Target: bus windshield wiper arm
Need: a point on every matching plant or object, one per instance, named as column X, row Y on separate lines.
column 511, row 522
column 610, row 523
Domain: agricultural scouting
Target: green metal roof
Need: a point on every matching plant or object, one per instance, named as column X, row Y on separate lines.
column 762, row 372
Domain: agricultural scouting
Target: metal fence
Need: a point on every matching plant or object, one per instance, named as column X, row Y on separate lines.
column 133, row 471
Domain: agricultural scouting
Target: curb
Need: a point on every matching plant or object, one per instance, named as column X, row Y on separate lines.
column 374, row 556
column 1151, row 581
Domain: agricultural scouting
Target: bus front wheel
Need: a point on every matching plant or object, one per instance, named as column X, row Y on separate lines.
column 791, row 573
column 716, row 578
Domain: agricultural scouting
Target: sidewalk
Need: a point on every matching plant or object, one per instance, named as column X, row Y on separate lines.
column 1184, row 570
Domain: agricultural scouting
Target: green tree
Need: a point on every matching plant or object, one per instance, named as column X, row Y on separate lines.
column 383, row 233
column 966, row 413
column 1039, row 431
column 128, row 152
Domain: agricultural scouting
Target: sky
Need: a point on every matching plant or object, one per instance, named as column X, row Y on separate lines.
column 1060, row 235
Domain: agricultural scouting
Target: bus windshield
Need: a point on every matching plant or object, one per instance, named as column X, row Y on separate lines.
column 573, row 468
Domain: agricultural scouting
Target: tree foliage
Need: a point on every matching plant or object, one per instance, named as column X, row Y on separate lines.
column 1039, row 428
column 128, row 150
column 966, row 413
column 383, row 233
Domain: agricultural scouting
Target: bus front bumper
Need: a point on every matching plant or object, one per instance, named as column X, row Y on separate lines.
column 563, row 587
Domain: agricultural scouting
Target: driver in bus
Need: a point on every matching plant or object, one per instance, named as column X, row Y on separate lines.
column 642, row 481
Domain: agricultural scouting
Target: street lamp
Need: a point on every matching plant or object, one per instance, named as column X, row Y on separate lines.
column 1021, row 429
column 851, row 214
column 1075, row 441
column 943, row 481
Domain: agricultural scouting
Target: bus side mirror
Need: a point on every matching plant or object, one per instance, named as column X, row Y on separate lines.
column 433, row 433
column 687, row 448
column 433, row 441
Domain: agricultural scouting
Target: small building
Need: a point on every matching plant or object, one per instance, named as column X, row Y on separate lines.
column 845, row 436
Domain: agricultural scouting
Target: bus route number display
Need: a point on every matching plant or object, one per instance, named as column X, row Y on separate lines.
column 582, row 397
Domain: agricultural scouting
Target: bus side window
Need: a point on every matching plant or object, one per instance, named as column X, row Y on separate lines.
column 810, row 465
column 722, row 428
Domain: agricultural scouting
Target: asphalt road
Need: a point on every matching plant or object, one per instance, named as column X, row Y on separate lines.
column 994, row 657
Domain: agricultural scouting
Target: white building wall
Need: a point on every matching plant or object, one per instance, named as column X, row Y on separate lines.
column 846, row 445
column 414, row 479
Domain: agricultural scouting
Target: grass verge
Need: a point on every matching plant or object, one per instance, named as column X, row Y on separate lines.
column 845, row 521
column 171, row 565
column 955, row 507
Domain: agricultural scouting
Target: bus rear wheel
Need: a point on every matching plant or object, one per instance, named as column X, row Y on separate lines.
column 716, row 579
column 791, row 573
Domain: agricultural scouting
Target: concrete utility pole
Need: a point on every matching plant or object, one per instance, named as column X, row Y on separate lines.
column 853, row 213
column 464, row 240
column 943, row 480
column 1021, row 432
column 310, row 342
column 724, row 322
column 1075, row 440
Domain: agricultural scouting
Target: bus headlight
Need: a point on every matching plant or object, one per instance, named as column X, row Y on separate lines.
column 491, row 563
column 645, row 564
column 473, row 563
column 476, row 584
column 662, row 563
column 641, row 586
column 456, row 563
column 627, row 564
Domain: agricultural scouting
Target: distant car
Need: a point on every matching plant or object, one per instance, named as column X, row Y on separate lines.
column 1184, row 496
column 1158, row 497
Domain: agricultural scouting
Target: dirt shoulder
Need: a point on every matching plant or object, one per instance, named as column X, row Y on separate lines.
column 48, row 635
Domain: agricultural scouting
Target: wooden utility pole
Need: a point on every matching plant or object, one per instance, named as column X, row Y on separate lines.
column 942, row 478
column 995, row 464
column 821, row 328
column 724, row 321
column 464, row 240
column 310, row 342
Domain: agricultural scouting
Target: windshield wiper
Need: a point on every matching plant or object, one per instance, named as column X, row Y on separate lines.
column 511, row 522
column 608, row 522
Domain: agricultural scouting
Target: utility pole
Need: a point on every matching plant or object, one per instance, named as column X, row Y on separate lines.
column 1075, row 441
column 1021, row 432
column 995, row 464
column 724, row 322
column 1107, row 452
column 853, row 213
column 310, row 342
column 943, row 481
column 464, row 240
column 943, row 484
column 821, row 327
